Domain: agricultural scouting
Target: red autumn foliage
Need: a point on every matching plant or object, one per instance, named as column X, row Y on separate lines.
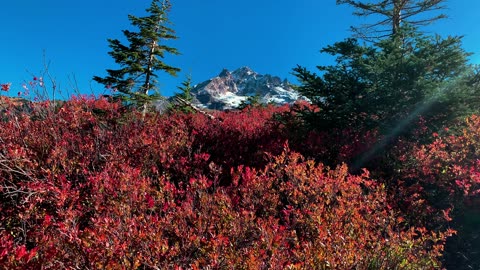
column 87, row 185
column 439, row 186
column 441, row 174
column 452, row 162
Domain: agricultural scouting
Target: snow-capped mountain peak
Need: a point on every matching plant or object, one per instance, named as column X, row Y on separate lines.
column 243, row 73
column 230, row 88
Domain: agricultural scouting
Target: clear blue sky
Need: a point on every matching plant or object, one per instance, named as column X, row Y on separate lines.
column 270, row 36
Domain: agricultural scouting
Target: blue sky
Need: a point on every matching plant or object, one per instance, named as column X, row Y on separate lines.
column 270, row 36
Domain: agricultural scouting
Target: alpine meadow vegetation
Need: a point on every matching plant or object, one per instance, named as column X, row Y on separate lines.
column 89, row 185
column 379, row 169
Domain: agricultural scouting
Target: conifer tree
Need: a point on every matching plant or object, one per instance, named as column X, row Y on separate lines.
column 186, row 89
column 388, row 84
column 185, row 96
column 392, row 14
column 141, row 58
column 381, row 85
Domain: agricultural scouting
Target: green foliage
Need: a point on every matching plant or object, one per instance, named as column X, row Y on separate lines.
column 391, row 84
column 185, row 95
column 186, row 89
column 384, row 84
column 142, row 57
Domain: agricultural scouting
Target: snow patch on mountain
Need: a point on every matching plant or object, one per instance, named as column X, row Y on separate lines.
column 229, row 89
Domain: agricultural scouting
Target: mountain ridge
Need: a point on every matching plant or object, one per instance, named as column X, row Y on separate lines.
column 229, row 88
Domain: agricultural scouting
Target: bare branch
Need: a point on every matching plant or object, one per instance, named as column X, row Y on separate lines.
column 395, row 13
column 186, row 103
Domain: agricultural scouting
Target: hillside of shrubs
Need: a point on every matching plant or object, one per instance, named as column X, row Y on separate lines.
column 89, row 184
column 377, row 168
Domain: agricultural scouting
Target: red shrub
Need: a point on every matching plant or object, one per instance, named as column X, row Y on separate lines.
column 84, row 185
column 439, row 175
column 452, row 162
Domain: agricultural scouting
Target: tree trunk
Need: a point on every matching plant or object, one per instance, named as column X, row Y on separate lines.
column 151, row 57
column 397, row 15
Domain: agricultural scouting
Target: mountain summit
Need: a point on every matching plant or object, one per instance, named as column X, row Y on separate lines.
column 230, row 88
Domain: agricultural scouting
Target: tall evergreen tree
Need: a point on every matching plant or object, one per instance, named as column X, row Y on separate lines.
column 392, row 14
column 390, row 83
column 141, row 58
column 380, row 85
column 387, row 85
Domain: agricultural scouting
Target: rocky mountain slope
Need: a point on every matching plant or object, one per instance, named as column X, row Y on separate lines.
column 230, row 88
